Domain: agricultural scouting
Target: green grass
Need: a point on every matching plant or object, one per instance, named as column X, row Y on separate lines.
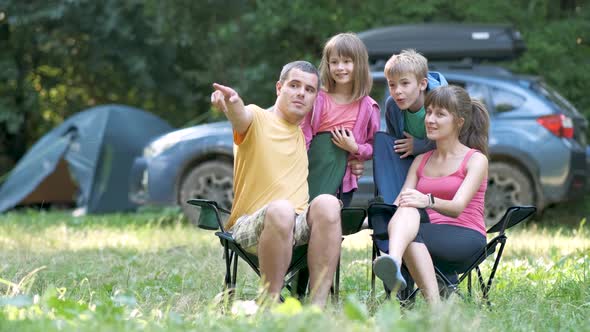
column 151, row 271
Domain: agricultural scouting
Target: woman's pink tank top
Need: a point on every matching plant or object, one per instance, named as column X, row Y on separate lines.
column 445, row 187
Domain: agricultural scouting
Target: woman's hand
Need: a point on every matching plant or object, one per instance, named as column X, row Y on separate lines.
column 344, row 139
column 413, row 198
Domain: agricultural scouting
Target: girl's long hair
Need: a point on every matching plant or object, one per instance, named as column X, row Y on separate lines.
column 347, row 45
column 474, row 131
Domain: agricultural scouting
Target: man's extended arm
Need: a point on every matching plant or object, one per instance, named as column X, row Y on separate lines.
column 229, row 102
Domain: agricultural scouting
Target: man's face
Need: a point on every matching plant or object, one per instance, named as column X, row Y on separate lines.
column 407, row 91
column 296, row 95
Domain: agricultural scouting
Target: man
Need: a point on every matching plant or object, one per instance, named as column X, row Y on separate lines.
column 270, row 213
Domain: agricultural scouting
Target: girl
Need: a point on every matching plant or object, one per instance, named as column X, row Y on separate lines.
column 440, row 214
column 343, row 106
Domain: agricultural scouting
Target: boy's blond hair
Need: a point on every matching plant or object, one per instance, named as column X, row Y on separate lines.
column 347, row 45
column 407, row 61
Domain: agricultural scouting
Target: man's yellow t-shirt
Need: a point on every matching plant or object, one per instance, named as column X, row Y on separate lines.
column 270, row 163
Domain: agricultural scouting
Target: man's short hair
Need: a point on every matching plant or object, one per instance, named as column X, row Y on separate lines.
column 407, row 61
column 304, row 66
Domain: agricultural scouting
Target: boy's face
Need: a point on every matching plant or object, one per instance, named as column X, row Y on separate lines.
column 407, row 91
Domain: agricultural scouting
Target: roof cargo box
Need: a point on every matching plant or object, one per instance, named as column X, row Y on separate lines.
column 445, row 41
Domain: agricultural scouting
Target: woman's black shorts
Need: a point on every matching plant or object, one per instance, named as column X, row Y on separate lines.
column 452, row 248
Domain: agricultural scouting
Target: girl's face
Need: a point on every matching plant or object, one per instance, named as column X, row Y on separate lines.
column 341, row 69
column 440, row 123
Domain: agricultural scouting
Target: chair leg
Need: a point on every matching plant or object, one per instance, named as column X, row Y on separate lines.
column 337, row 282
column 228, row 259
column 486, row 289
column 469, row 283
column 375, row 250
column 301, row 281
column 235, row 272
column 480, row 280
column 229, row 282
column 483, row 286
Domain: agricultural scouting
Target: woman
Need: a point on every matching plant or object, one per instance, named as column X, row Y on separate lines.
column 440, row 214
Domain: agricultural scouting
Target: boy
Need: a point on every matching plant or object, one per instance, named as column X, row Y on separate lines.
column 409, row 81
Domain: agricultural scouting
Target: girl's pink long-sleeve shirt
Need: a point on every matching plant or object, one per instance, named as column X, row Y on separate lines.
column 367, row 124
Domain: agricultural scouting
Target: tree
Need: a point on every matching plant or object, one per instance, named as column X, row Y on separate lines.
column 60, row 57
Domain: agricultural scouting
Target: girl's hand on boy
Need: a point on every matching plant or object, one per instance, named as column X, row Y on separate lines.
column 344, row 139
column 413, row 198
column 405, row 146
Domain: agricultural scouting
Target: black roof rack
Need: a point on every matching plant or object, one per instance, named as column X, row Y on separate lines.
column 471, row 67
column 446, row 41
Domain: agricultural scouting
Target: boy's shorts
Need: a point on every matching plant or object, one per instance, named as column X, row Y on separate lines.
column 247, row 229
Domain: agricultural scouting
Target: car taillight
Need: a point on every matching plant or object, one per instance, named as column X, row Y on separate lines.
column 558, row 124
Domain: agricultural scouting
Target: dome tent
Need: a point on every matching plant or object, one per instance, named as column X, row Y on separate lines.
column 98, row 147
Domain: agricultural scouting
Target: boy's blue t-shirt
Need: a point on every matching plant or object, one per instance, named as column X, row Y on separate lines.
column 414, row 123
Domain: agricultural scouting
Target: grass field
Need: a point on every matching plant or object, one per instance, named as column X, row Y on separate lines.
column 152, row 272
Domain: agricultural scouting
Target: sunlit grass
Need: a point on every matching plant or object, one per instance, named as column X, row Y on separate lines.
column 152, row 271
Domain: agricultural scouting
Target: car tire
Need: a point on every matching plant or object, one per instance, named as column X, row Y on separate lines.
column 212, row 180
column 508, row 185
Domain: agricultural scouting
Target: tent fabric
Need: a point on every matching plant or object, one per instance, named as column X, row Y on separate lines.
column 99, row 145
column 31, row 171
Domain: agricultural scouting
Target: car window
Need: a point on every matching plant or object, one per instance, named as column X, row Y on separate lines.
column 504, row 100
column 478, row 91
column 553, row 96
column 379, row 93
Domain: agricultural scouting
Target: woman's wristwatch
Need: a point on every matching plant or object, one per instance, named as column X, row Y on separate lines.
column 430, row 200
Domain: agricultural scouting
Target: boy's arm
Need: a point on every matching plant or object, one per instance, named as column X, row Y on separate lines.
column 365, row 150
column 229, row 102
column 422, row 145
column 392, row 114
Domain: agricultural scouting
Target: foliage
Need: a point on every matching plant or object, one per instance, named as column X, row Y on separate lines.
column 153, row 272
column 60, row 57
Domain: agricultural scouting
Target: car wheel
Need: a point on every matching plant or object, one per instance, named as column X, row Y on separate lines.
column 508, row 185
column 212, row 180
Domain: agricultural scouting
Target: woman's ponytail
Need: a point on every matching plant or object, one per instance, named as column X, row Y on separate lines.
column 476, row 121
column 475, row 134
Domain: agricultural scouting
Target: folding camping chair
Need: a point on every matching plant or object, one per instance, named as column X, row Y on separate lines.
column 388, row 182
column 494, row 248
column 327, row 164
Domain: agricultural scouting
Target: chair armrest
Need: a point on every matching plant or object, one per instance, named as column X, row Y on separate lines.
column 379, row 216
column 513, row 216
column 209, row 217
